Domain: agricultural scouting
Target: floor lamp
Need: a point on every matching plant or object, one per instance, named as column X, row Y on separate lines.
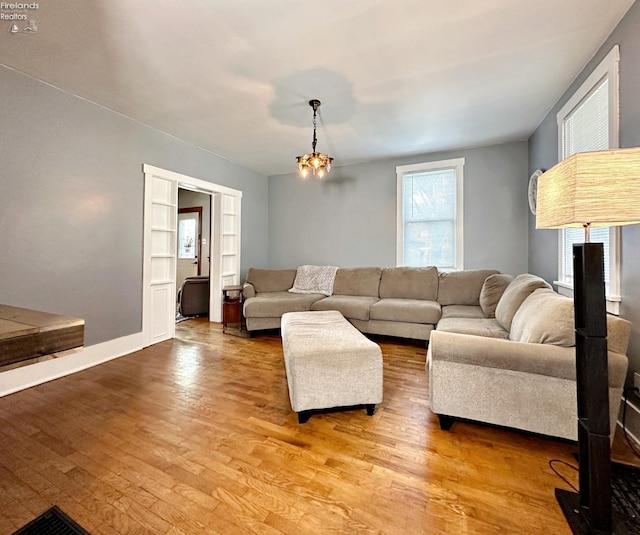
column 586, row 190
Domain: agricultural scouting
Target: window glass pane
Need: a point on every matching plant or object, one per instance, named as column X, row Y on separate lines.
column 576, row 235
column 429, row 218
column 187, row 238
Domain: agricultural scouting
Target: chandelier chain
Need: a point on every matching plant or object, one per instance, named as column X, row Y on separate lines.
column 315, row 139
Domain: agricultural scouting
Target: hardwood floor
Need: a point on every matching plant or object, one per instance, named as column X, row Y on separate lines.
column 196, row 435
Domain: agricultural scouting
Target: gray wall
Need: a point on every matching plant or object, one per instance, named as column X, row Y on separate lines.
column 543, row 153
column 349, row 219
column 71, row 204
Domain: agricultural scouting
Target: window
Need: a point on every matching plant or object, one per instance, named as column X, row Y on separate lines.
column 430, row 214
column 589, row 122
column 187, row 238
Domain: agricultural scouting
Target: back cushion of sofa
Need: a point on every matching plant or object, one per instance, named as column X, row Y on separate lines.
column 618, row 333
column 544, row 317
column 409, row 283
column 492, row 290
column 271, row 280
column 357, row 281
column 514, row 295
column 462, row 287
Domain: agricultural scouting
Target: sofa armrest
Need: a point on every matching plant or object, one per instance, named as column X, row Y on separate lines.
column 248, row 290
column 540, row 359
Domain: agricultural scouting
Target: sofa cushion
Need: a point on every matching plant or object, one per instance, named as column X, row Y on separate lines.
column 409, row 283
column 492, row 290
column 487, row 327
column 314, row 280
column 351, row 306
column 518, row 290
column 618, row 333
column 271, row 280
column 462, row 311
column 544, row 317
column 406, row 310
column 274, row 304
column 357, row 281
column 462, row 287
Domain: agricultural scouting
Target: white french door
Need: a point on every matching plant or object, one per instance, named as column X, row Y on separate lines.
column 161, row 247
column 160, row 217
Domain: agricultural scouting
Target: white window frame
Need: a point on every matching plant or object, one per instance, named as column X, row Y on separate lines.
column 609, row 69
column 456, row 164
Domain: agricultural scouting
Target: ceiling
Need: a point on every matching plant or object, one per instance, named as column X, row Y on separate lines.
column 394, row 77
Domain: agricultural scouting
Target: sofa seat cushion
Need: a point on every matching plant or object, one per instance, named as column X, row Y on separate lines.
column 410, row 283
column 406, row 310
column 351, row 306
column 487, row 327
column 274, row 304
column 462, row 287
column 462, row 311
column 514, row 295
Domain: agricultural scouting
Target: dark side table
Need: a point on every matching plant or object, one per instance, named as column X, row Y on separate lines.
column 232, row 320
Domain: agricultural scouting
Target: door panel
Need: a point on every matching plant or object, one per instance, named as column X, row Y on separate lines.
column 160, row 211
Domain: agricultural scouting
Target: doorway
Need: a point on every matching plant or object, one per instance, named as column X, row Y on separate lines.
column 160, row 248
column 189, row 243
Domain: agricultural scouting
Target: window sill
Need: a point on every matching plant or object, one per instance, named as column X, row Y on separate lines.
column 613, row 301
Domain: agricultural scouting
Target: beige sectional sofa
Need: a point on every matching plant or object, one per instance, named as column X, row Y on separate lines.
column 398, row 301
column 517, row 369
column 501, row 350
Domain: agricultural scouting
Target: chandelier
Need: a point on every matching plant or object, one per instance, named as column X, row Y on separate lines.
column 316, row 162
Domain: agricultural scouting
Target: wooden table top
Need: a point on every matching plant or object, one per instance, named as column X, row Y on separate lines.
column 16, row 321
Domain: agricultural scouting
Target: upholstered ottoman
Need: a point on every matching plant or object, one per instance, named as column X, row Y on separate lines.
column 329, row 363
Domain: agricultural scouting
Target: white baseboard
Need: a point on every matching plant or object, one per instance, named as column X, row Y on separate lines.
column 34, row 374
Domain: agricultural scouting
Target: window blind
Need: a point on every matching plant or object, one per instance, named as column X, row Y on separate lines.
column 585, row 129
column 587, row 126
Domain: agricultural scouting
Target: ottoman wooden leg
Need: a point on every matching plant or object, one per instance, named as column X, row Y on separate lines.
column 370, row 409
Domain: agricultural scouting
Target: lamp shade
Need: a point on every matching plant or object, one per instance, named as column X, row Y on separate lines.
column 598, row 189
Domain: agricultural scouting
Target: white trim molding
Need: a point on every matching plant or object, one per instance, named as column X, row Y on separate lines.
column 41, row 372
column 401, row 170
column 607, row 69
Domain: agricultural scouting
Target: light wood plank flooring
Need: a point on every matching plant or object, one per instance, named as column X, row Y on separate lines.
column 196, row 435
